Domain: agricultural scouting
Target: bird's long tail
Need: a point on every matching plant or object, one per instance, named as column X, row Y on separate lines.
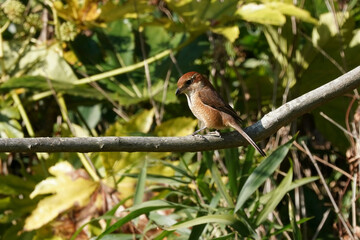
column 248, row 138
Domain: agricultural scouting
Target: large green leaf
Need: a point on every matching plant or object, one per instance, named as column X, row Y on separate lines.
column 265, row 169
column 48, row 63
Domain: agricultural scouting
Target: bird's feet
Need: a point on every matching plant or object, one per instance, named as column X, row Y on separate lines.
column 215, row 133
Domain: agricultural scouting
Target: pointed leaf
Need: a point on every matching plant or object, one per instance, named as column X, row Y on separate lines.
column 136, row 211
column 223, row 219
column 276, row 196
column 261, row 173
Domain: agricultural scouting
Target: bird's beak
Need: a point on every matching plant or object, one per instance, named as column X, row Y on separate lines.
column 178, row 91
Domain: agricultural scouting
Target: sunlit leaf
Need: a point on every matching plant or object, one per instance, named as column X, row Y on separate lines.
column 48, row 63
column 260, row 13
column 327, row 27
column 85, row 12
column 66, row 192
column 291, row 10
column 180, row 126
column 231, row 33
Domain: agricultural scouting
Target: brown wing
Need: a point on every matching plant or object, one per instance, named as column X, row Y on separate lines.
column 216, row 101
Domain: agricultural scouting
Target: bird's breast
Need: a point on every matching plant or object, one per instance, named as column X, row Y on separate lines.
column 211, row 117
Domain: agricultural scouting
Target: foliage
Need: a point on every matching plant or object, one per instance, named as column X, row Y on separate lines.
column 109, row 68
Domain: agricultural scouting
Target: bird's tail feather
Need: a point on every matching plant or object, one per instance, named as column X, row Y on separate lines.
column 248, row 138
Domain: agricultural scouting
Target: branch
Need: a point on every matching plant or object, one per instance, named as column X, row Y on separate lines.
column 268, row 125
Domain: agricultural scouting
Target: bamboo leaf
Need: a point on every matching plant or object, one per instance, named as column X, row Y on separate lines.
column 217, row 178
column 261, row 173
column 136, row 211
column 140, row 186
column 223, row 219
column 276, row 197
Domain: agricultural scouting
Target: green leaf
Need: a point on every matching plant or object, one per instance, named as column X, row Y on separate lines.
column 261, row 173
column 9, row 126
column 295, row 184
column 217, row 178
column 65, row 191
column 276, row 196
column 91, row 115
column 138, row 210
column 140, row 186
column 13, row 185
column 295, row 229
column 222, row 219
column 233, row 166
column 48, row 63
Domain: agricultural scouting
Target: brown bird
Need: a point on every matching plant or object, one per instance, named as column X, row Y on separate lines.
column 209, row 107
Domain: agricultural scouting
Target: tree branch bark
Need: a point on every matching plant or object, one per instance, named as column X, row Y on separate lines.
column 268, row 125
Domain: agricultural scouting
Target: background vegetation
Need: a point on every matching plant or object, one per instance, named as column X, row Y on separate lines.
column 109, row 68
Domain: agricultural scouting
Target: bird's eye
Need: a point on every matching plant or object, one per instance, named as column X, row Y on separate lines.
column 188, row 82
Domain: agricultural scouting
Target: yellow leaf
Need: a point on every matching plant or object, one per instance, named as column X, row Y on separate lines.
column 291, row 10
column 260, row 13
column 139, row 123
column 66, row 193
column 181, row 126
column 231, row 33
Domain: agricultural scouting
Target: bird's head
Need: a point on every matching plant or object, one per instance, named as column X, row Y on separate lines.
column 190, row 82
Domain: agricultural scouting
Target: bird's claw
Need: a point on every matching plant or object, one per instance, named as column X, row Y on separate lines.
column 215, row 134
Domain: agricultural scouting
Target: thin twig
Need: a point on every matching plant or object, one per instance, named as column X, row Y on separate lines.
column 353, row 200
column 325, row 162
column 337, row 125
column 336, row 208
column 347, row 120
column 173, row 59
column 323, row 220
column 166, row 86
column 332, row 60
column 147, row 71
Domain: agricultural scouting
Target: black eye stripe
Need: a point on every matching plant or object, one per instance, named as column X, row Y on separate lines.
column 192, row 78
